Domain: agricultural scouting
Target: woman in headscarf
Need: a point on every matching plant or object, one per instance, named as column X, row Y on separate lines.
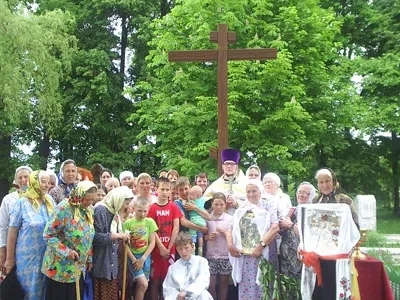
column 254, row 227
column 253, row 172
column 67, row 179
column 335, row 269
column 21, row 181
column 273, row 192
column 328, row 188
column 108, row 231
column 25, row 244
column 69, row 235
column 289, row 264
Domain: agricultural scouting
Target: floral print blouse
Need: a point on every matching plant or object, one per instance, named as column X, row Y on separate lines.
column 63, row 234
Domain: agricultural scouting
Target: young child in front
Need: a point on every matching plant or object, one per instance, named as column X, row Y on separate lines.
column 189, row 276
column 196, row 197
column 166, row 215
column 217, row 247
column 142, row 232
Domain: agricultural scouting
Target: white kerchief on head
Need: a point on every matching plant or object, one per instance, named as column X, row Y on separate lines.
column 272, row 176
column 124, row 174
column 323, row 172
column 255, row 182
column 114, row 201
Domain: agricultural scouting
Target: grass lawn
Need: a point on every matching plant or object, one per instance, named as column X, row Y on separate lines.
column 386, row 221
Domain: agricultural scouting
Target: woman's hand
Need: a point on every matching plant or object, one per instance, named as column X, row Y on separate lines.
column 73, row 255
column 120, row 236
column 89, row 267
column 235, row 252
column 285, row 223
column 181, row 296
column 8, row 265
column 257, row 251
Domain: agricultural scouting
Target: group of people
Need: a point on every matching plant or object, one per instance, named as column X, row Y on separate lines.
column 160, row 239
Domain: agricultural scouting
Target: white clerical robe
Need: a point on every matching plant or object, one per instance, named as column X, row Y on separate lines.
column 193, row 278
column 236, row 188
column 327, row 230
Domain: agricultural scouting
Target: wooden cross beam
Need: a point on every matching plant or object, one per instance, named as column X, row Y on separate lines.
column 222, row 37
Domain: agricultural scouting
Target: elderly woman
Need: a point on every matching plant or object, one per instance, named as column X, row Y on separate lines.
column 67, row 179
column 332, row 288
column 328, row 187
column 108, row 231
column 254, row 226
column 290, row 265
column 25, row 244
column 21, row 181
column 253, row 172
column 273, row 192
column 126, row 178
column 69, row 235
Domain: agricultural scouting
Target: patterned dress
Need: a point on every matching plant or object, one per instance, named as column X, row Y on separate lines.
column 30, row 246
column 248, row 288
column 64, row 234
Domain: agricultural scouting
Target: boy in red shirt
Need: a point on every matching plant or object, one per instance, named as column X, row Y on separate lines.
column 166, row 215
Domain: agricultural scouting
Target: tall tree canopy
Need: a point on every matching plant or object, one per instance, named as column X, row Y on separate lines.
column 278, row 110
column 35, row 54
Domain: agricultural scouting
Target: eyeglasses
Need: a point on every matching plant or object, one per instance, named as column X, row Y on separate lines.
column 229, row 164
column 304, row 193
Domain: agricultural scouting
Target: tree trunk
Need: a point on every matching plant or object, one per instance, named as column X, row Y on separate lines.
column 395, row 171
column 124, row 45
column 320, row 155
column 5, row 165
column 44, row 151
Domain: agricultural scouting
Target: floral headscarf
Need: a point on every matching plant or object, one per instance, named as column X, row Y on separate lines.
column 78, row 192
column 113, row 201
column 61, row 179
column 34, row 194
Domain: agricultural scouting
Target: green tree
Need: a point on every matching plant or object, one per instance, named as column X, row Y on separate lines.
column 94, row 128
column 35, row 54
column 381, row 85
column 278, row 110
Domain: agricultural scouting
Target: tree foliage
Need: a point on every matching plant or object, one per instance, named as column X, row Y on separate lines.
column 35, row 53
column 277, row 109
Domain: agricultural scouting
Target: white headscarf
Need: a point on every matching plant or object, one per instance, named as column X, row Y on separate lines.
column 312, row 190
column 124, row 174
column 113, row 201
column 20, row 169
column 256, row 168
column 272, row 176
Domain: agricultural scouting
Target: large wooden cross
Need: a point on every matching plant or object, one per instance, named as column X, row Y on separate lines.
column 222, row 37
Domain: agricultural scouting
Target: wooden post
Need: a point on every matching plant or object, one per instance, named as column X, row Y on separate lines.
column 222, row 37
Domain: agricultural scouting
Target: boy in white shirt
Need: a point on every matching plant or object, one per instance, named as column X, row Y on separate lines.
column 189, row 276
